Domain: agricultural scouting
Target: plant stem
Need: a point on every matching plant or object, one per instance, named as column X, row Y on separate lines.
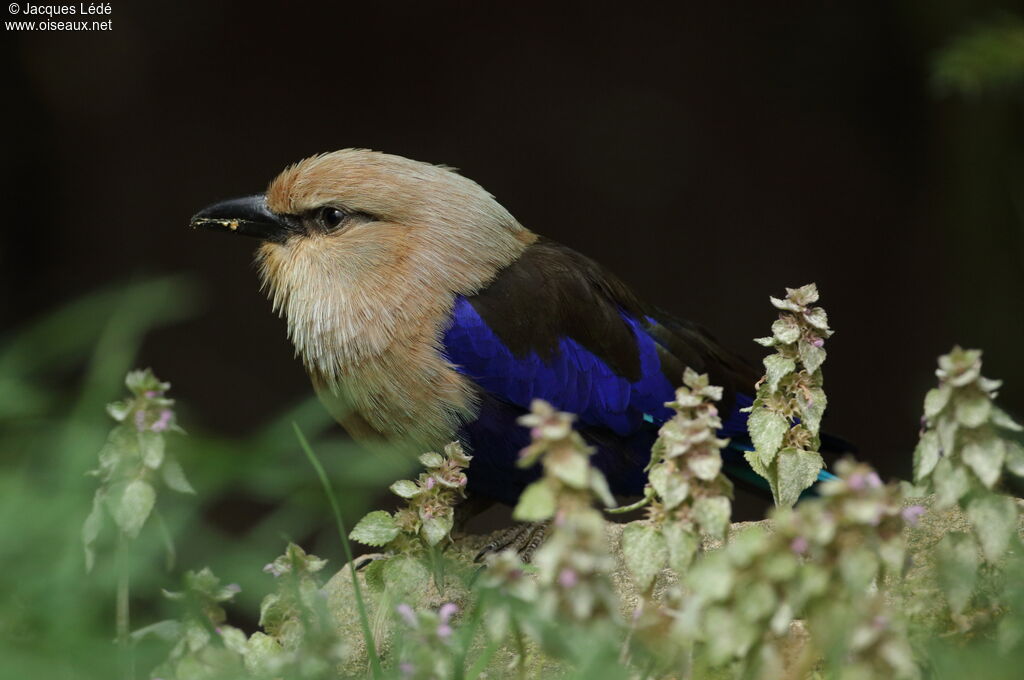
column 364, row 620
column 123, row 620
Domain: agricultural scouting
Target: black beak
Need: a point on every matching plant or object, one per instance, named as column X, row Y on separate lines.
column 249, row 216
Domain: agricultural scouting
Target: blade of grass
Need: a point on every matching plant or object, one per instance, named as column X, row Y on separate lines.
column 364, row 620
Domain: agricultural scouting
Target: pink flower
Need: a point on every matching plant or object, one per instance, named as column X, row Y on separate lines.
column 799, row 545
column 163, row 422
column 567, row 578
column 407, row 614
column 446, row 611
column 912, row 513
column 818, row 342
column 444, row 631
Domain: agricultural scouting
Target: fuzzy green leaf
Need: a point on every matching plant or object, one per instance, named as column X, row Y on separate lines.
column 133, row 508
column 767, row 429
column 431, row 460
column 985, row 456
column 405, row 488
column 784, row 305
column 174, row 476
column 812, row 406
column 436, row 529
column 786, row 330
column 950, row 482
column 151, row 446
column 973, row 408
column 375, row 529
column 536, row 503
column 706, row 467
column 957, row 560
column 1001, row 418
column 672, row 489
column 755, row 463
column 797, row 470
column 645, row 552
column 858, row 568
column 993, row 519
column 936, row 400
column 810, row 356
column 947, row 428
column 601, row 490
column 776, row 368
column 926, row 455
column 91, row 529
column 1015, row 458
column 682, row 546
column 404, row 576
column 711, row 576
column 712, row 514
column 572, row 469
column 817, row 317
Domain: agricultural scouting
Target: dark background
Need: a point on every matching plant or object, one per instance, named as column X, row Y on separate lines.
column 710, row 156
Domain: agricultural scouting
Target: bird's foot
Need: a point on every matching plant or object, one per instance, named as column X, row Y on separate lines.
column 524, row 538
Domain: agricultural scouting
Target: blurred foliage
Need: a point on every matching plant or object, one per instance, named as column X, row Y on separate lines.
column 57, row 374
column 824, row 592
column 986, row 59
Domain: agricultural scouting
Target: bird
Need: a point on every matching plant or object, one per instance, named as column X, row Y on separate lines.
column 425, row 313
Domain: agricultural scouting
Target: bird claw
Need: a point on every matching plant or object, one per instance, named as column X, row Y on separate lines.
column 523, row 538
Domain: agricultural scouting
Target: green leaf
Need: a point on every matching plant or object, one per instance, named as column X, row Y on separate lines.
column 973, row 407
column 936, row 400
column 817, row 317
column 682, row 546
column 797, row 470
column 767, row 429
column 950, row 482
column 810, row 356
column 784, row 305
column 167, row 630
column 711, row 576
column 993, row 520
column 134, row 506
column 119, row 410
column 572, row 469
column 404, row 576
column 645, row 552
column 431, row 460
column 957, row 562
column 174, row 476
column 755, row 463
column 375, row 529
column 926, row 455
column 1014, row 458
column 712, row 514
column 1001, row 418
column 706, row 466
column 947, row 428
column 786, row 330
column 671, row 488
column 436, row 529
column 91, row 529
column 405, row 488
column 858, row 568
column 151, row 446
column 985, row 456
column 536, row 503
column 812, row 407
column 776, row 368
column 599, row 486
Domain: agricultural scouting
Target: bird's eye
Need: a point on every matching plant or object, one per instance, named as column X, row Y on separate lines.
column 331, row 217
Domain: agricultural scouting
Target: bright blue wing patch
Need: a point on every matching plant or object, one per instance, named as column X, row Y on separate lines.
column 573, row 380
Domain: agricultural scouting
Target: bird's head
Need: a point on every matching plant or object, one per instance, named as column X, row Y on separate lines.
column 361, row 248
